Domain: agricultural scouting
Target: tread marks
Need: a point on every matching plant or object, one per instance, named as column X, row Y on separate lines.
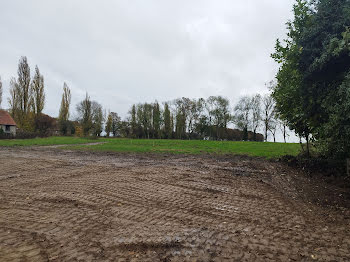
column 74, row 207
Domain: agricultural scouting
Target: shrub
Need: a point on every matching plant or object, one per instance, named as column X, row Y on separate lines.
column 66, row 127
column 23, row 134
column 43, row 124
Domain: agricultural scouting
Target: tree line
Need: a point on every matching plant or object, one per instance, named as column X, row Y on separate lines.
column 186, row 118
column 312, row 93
column 182, row 118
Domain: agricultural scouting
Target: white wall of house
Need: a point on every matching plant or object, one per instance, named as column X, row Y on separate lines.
column 12, row 129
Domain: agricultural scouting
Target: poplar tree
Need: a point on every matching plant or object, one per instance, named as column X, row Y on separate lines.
column 63, row 117
column 23, row 94
column 133, row 121
column 37, row 93
column 108, row 127
column 13, row 100
column 167, row 122
column 65, row 103
column 156, row 120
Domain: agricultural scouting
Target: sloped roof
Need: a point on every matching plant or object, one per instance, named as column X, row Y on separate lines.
column 6, row 119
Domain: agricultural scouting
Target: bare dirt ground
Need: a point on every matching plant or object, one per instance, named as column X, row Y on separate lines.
column 59, row 205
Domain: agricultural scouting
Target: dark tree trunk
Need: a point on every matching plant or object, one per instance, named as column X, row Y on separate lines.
column 245, row 134
column 301, row 144
column 254, row 135
column 307, row 145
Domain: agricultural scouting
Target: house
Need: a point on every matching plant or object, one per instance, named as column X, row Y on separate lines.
column 7, row 124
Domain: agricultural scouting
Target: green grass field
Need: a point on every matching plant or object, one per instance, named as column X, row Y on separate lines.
column 268, row 150
column 48, row 141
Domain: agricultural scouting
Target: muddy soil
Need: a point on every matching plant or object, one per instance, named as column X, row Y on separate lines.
column 58, row 205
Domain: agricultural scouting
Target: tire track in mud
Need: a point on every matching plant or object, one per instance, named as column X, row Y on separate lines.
column 70, row 206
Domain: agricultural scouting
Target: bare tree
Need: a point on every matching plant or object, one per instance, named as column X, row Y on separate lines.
column 284, row 129
column 268, row 113
column 0, row 91
column 273, row 127
column 256, row 113
column 242, row 115
column 37, row 93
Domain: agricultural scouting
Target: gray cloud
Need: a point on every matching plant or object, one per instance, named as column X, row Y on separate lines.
column 123, row 52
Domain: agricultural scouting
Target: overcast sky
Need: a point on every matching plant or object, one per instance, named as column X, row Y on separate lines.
column 125, row 52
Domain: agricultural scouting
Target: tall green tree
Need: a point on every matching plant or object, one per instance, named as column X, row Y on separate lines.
column 63, row 118
column 325, row 63
column 14, row 100
column 108, row 127
column 180, row 118
column 167, row 122
column 116, row 123
column 133, row 121
column 23, row 95
column 172, row 125
column 97, row 118
column 84, row 109
column 146, row 119
column 313, row 76
column 219, row 113
column 65, row 104
column 196, row 111
column 287, row 92
column 156, row 120
column 336, row 134
column 139, row 121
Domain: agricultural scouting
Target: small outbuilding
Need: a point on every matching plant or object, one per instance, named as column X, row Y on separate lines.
column 7, row 124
